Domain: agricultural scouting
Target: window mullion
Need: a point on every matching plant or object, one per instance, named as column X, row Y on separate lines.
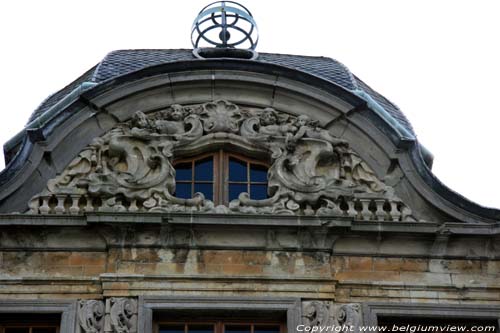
column 223, row 178
column 192, row 177
column 248, row 181
column 222, row 181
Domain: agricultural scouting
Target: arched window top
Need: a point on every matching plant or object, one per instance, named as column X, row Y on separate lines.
column 221, row 177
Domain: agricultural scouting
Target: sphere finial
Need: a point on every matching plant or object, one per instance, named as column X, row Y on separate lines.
column 225, row 24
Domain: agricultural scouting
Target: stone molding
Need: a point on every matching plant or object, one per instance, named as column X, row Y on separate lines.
column 290, row 307
column 67, row 309
column 129, row 169
column 458, row 311
column 329, row 314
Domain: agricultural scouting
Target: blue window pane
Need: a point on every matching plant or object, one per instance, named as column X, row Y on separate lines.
column 183, row 171
column 172, row 329
column 206, row 189
column 266, row 329
column 200, row 328
column 258, row 192
column 235, row 190
column 204, row 169
column 183, row 190
column 258, row 173
column 237, row 170
column 237, row 329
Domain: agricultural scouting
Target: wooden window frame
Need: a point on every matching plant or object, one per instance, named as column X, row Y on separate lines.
column 249, row 162
column 220, row 324
column 215, row 177
column 220, row 178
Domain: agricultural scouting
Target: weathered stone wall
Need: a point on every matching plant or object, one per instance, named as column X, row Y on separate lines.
column 416, row 280
column 105, row 267
column 135, row 271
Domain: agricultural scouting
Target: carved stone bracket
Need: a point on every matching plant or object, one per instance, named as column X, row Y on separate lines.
column 121, row 315
column 331, row 315
column 117, row 315
column 129, row 169
column 91, row 316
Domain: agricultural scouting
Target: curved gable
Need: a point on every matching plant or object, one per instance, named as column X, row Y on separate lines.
column 392, row 158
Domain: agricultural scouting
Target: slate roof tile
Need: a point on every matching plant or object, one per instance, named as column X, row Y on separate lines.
column 121, row 62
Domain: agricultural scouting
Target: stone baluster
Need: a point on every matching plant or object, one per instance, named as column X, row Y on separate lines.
column 74, row 209
column 380, row 213
column 44, row 208
column 59, row 208
column 33, row 205
column 365, row 212
column 133, row 206
column 88, row 206
column 351, row 211
column 395, row 213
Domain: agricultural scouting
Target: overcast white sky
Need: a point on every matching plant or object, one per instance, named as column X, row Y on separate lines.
column 437, row 60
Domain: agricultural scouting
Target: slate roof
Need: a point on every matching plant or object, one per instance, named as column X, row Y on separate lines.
column 122, row 62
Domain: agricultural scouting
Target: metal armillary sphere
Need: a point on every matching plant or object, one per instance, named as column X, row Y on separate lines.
column 225, row 24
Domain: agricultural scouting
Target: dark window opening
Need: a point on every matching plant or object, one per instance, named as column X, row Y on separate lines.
column 29, row 323
column 220, row 327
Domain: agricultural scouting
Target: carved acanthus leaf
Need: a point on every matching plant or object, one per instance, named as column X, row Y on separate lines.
column 130, row 167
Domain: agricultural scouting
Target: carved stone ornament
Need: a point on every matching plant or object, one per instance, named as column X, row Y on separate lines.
column 121, row 315
column 329, row 315
column 91, row 316
column 129, row 169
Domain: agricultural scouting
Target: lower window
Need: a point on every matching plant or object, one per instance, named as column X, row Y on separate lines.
column 220, row 327
column 29, row 329
column 29, row 323
column 436, row 324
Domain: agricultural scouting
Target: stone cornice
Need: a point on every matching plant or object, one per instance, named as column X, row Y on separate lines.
column 117, row 219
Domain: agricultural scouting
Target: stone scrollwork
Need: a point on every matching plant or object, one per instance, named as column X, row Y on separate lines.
column 329, row 315
column 91, row 316
column 129, row 169
column 349, row 315
column 121, row 315
column 317, row 313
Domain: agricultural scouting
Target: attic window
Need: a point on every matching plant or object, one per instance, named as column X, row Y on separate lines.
column 221, row 177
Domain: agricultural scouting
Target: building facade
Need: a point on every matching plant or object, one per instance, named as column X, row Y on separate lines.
column 168, row 191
